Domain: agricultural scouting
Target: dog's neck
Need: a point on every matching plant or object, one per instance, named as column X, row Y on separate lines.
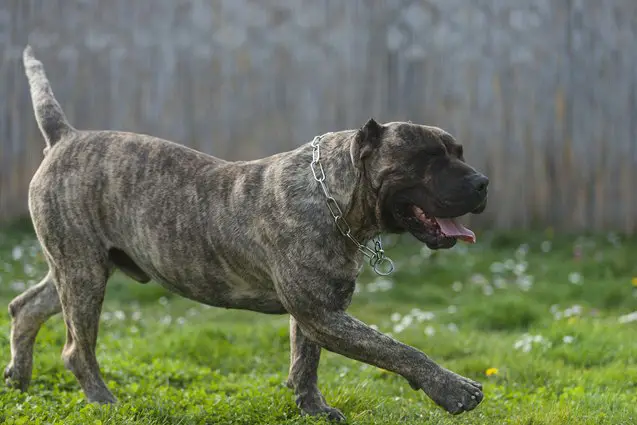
column 349, row 185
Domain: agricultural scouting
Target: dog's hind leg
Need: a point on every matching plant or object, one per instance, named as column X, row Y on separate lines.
column 81, row 286
column 29, row 311
column 304, row 362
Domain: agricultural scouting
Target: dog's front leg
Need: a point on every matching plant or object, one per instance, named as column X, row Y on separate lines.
column 304, row 362
column 314, row 306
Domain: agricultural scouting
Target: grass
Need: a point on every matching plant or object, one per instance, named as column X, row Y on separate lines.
column 542, row 314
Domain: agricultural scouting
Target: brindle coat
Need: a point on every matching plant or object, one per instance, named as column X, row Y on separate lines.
column 253, row 235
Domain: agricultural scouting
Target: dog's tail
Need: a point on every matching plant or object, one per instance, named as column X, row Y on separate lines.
column 48, row 112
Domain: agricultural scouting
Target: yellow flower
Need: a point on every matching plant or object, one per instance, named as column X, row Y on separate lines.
column 634, row 281
column 572, row 320
column 491, row 371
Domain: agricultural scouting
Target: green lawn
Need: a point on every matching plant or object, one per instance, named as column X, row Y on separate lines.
column 544, row 312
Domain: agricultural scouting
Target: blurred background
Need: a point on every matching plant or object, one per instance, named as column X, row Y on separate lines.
column 542, row 93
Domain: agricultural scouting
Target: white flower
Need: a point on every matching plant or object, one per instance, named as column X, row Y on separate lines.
column 343, row 371
column 521, row 251
column 496, row 268
column 520, row 268
column 526, row 342
column 163, row 301
column 568, row 339
column 478, row 279
column 398, row 328
column 628, row 318
column 452, row 327
column 430, row 331
column 523, row 345
column 575, row 278
column 424, row 315
column 524, row 282
column 574, row 310
column 181, row 320
column 456, row 286
column 555, row 311
column 452, row 309
column 16, row 253
column 487, row 290
column 166, row 320
column 18, row 286
column 29, row 270
column 395, row 317
column 136, row 315
column 119, row 315
column 407, row 321
column 546, row 246
column 499, row 282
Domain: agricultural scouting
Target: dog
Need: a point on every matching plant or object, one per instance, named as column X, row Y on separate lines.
column 285, row 234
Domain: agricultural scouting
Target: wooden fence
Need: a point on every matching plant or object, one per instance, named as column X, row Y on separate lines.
column 543, row 93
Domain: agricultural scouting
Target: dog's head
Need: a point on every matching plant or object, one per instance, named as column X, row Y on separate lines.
column 420, row 180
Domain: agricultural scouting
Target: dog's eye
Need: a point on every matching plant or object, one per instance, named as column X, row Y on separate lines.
column 436, row 151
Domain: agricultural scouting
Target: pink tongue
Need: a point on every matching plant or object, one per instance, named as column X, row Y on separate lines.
column 452, row 228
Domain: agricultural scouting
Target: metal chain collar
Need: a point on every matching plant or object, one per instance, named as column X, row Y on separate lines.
column 381, row 264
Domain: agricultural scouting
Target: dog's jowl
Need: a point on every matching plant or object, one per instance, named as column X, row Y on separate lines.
column 211, row 230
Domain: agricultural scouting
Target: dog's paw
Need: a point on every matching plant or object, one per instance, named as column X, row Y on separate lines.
column 332, row 413
column 312, row 403
column 454, row 393
column 14, row 379
column 463, row 395
column 100, row 396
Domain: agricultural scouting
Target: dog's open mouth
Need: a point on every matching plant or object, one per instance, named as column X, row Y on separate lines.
column 445, row 227
column 436, row 232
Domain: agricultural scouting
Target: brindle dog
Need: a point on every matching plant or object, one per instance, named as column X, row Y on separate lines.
column 253, row 235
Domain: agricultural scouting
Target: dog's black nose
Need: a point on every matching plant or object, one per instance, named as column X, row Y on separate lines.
column 479, row 182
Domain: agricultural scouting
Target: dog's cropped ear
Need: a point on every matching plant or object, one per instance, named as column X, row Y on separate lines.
column 367, row 139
